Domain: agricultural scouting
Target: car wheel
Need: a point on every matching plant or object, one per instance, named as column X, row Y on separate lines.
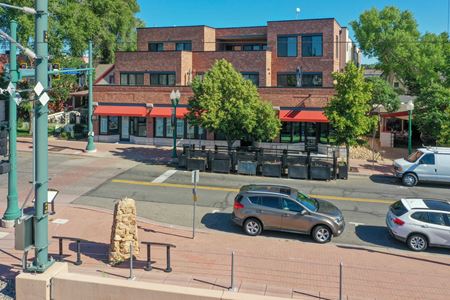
column 322, row 234
column 252, row 227
column 409, row 179
column 417, row 242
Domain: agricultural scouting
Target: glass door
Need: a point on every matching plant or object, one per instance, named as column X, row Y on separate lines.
column 311, row 136
column 125, row 129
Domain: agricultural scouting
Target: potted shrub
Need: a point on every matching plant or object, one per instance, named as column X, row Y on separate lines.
column 271, row 169
column 247, row 167
column 342, row 170
column 196, row 163
column 320, row 170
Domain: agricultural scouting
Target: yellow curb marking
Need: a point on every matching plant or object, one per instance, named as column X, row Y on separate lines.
column 213, row 188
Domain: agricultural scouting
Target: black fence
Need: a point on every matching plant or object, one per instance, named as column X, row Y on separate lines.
column 264, row 162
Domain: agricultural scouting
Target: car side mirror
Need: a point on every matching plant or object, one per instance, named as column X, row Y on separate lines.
column 303, row 212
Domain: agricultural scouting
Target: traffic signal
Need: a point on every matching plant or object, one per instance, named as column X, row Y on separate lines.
column 56, row 66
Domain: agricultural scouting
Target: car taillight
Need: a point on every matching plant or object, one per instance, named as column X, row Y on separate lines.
column 398, row 221
column 238, row 205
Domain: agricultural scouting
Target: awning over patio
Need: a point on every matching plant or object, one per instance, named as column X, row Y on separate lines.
column 303, row 116
column 121, row 111
column 166, row 112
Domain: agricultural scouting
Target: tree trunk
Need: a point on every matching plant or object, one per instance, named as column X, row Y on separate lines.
column 347, row 147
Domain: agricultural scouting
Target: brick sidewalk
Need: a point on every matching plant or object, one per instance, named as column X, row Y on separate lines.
column 263, row 265
column 162, row 155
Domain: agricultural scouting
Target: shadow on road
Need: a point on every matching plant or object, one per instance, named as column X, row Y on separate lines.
column 154, row 156
column 379, row 235
column 392, row 180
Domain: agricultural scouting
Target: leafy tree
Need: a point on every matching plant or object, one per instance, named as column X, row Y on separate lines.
column 431, row 112
column 110, row 24
column 226, row 103
column 349, row 110
column 444, row 135
column 383, row 94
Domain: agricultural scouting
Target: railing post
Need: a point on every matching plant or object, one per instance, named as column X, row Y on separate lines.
column 168, row 268
column 25, row 260
column 149, row 259
column 340, row 281
column 53, row 207
column 60, row 248
column 132, row 277
column 78, row 262
column 232, row 288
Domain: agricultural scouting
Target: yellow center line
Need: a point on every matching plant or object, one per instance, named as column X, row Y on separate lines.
column 222, row 189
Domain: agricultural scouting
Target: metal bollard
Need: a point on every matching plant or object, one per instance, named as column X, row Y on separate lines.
column 53, row 208
column 168, row 268
column 78, row 262
column 132, row 277
column 25, row 260
column 149, row 259
column 232, row 288
column 340, row 281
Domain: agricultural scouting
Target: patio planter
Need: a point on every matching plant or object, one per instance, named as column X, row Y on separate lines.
column 5, row 167
column 320, row 171
column 196, row 163
column 343, row 171
column 221, row 165
column 182, row 161
column 271, row 169
column 298, row 171
column 247, row 167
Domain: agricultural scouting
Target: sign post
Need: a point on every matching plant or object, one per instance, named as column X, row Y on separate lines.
column 195, row 179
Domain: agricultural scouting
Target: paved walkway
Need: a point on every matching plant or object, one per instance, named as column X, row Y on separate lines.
column 263, row 265
column 162, row 155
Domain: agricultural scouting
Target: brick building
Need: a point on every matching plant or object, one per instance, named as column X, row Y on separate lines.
column 290, row 61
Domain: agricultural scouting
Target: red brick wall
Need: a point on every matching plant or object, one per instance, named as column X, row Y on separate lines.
column 324, row 64
column 256, row 30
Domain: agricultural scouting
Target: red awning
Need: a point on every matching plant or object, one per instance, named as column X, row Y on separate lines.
column 303, row 116
column 395, row 114
column 121, row 111
column 166, row 112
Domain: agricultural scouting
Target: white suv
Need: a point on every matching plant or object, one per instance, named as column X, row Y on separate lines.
column 420, row 223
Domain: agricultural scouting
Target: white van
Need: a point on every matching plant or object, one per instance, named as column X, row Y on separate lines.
column 426, row 164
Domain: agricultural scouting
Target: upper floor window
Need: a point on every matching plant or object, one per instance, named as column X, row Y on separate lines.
column 253, row 77
column 287, row 46
column 312, row 45
column 254, row 47
column 312, row 80
column 155, row 47
column 131, row 78
column 162, row 78
column 183, row 46
column 307, row 80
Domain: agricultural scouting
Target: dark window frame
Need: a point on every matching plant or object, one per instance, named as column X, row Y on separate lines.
column 109, row 131
column 303, row 44
column 287, row 36
column 197, row 135
column 251, row 74
column 159, row 74
column 183, row 43
column 279, row 74
column 135, row 78
column 157, row 46
column 135, row 124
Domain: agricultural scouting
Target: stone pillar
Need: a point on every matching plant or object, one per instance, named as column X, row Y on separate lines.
column 124, row 232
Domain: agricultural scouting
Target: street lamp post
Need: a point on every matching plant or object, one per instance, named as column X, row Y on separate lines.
column 90, row 145
column 410, row 108
column 175, row 99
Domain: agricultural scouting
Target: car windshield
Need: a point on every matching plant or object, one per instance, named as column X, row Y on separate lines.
column 414, row 156
column 310, row 203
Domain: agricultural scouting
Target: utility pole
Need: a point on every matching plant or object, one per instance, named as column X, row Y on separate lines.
column 41, row 261
column 12, row 211
column 90, row 145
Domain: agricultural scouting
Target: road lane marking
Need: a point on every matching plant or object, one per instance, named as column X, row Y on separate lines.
column 163, row 177
column 222, row 189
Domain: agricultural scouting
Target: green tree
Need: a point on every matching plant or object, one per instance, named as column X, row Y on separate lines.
column 444, row 135
column 349, row 110
column 226, row 103
column 431, row 112
column 111, row 24
column 383, row 94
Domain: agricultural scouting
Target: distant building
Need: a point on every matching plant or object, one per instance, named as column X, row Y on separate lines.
column 136, row 106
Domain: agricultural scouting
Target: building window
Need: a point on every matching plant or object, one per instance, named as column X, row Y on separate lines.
column 254, row 47
column 312, row 45
column 164, row 129
column 312, row 80
column 396, row 84
column 103, row 125
column 183, row 46
column 292, row 132
column 109, row 125
column 200, row 75
column 253, row 77
column 287, row 80
column 166, row 78
column 155, row 47
column 287, row 46
column 138, row 126
column 132, row 78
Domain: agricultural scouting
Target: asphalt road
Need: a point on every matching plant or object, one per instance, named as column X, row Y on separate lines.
column 165, row 195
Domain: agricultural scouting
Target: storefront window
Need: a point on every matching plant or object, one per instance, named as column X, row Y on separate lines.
column 113, row 125
column 190, row 131
column 164, row 129
column 138, row 127
column 103, row 125
column 292, row 132
column 180, row 128
column 169, row 127
column 159, row 127
column 324, row 133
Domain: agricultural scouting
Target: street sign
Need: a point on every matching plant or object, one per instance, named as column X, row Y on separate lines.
column 44, row 98
column 38, row 89
column 11, row 89
column 69, row 71
column 195, row 176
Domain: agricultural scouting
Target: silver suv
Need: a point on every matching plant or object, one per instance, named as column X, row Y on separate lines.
column 420, row 223
column 276, row 207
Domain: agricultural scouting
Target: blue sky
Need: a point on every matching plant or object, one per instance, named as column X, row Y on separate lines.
column 431, row 15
